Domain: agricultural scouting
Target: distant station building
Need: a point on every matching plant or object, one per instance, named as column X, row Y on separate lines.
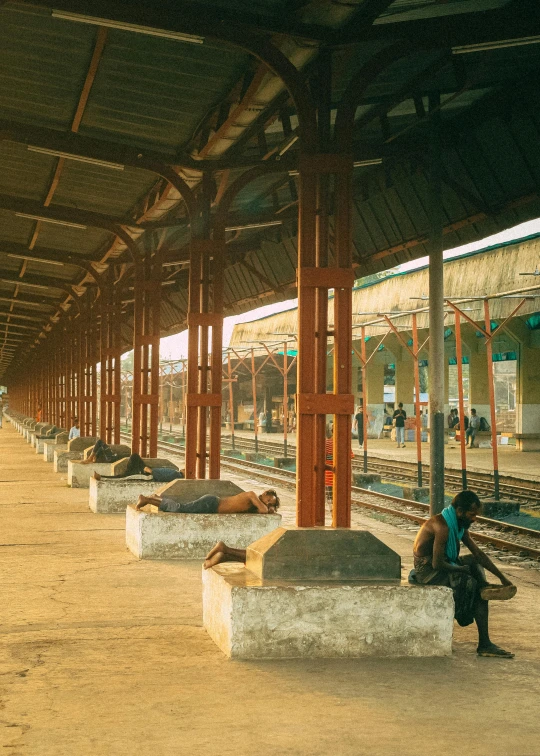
column 503, row 272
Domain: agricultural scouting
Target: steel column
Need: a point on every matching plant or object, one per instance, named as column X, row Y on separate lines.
column 146, row 339
column 459, row 360
column 313, row 403
column 364, row 396
column 110, row 354
column 205, row 312
column 231, row 396
column 492, row 407
column 436, row 318
column 418, row 416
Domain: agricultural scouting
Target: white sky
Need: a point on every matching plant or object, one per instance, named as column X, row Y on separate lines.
column 175, row 347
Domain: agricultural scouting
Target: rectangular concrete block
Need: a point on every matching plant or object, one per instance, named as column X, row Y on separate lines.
column 113, row 496
column 120, row 466
column 363, row 479
column 61, row 459
column 183, row 490
column 82, row 443
column 79, row 475
column 164, row 535
column 323, row 554
column 253, row 619
column 49, row 447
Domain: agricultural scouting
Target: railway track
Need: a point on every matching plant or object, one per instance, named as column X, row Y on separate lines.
column 521, row 544
column 406, row 472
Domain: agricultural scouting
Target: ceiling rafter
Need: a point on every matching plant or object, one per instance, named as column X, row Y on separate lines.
column 39, row 282
column 46, row 254
column 516, row 19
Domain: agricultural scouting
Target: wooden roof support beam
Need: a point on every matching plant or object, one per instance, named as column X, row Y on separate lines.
column 45, row 254
column 19, row 316
column 28, row 299
column 111, row 152
column 70, row 215
column 39, row 282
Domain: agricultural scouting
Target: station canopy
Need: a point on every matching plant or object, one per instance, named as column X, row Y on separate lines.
column 97, row 110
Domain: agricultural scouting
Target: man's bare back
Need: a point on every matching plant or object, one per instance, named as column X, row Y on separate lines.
column 247, row 501
column 425, row 538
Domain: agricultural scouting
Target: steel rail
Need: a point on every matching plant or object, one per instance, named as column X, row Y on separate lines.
column 288, row 478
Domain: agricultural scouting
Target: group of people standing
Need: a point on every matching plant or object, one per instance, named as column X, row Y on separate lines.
column 398, row 421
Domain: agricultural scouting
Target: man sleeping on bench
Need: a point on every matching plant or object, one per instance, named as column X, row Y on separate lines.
column 246, row 502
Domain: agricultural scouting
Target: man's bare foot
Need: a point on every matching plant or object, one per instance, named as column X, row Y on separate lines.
column 220, row 546
column 216, row 558
column 89, row 460
column 142, row 501
column 96, row 476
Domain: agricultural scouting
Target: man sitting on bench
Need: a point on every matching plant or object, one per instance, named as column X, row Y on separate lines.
column 437, row 562
column 246, row 502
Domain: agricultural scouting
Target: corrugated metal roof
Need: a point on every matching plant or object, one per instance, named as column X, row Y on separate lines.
column 154, row 92
column 101, row 190
column 43, row 65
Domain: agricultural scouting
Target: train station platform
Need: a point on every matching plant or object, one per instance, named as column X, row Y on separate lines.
column 104, row 655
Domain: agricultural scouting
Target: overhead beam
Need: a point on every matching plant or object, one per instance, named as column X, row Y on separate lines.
column 46, row 254
column 516, row 19
column 39, row 282
column 18, row 326
column 88, row 148
column 60, row 213
column 18, row 316
column 29, row 299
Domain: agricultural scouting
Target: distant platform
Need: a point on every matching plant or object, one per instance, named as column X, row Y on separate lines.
column 522, row 465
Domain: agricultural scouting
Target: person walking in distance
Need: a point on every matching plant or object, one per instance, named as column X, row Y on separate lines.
column 474, row 425
column 358, row 425
column 398, row 418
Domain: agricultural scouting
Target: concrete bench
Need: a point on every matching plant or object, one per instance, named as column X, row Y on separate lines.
column 79, row 475
column 481, row 436
column 113, row 496
column 52, row 444
column 28, row 427
column 249, row 618
column 527, row 441
column 323, row 594
column 37, row 431
column 73, row 450
column 44, row 433
column 167, row 535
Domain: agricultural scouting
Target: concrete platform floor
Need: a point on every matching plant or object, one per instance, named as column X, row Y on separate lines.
column 523, row 465
column 102, row 655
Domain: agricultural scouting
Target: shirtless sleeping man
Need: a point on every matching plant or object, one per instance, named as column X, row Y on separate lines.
column 246, row 502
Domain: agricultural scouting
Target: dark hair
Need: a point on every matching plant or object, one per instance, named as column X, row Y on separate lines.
column 473, row 410
column 400, row 404
column 271, row 492
column 466, row 500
